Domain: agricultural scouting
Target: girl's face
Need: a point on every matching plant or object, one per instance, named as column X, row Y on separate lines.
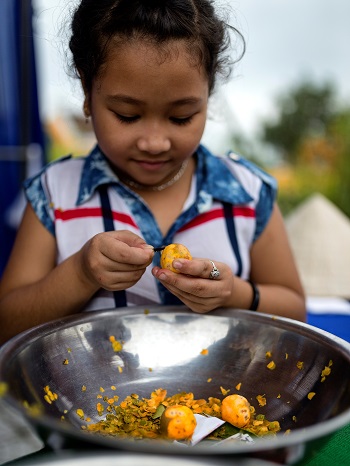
column 149, row 113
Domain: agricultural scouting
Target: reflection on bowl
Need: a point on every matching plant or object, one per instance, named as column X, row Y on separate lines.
column 162, row 348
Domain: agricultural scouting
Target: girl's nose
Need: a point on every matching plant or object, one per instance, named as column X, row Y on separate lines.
column 154, row 143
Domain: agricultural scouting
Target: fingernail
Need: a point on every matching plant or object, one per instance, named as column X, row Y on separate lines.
column 177, row 264
column 148, row 246
column 162, row 276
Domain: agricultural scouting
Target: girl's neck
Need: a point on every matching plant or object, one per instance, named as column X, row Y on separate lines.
column 168, row 206
column 160, row 187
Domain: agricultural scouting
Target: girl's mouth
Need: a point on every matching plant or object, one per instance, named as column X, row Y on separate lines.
column 151, row 166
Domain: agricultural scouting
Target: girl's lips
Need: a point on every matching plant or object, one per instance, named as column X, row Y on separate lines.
column 150, row 166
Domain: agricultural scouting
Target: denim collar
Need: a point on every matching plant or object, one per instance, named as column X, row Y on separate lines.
column 214, row 179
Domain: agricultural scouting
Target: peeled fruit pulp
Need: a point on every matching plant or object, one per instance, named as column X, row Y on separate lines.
column 172, row 252
column 235, row 409
column 178, row 422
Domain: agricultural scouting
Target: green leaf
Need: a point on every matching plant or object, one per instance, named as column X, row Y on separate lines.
column 160, row 410
column 227, row 430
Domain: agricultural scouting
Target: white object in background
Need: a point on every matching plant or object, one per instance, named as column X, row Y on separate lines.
column 319, row 234
column 33, row 157
column 327, row 305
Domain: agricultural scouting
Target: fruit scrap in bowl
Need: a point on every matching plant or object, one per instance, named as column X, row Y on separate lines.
column 172, row 252
column 235, row 409
column 173, row 417
column 178, row 422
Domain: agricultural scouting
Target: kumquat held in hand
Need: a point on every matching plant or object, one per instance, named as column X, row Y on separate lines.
column 172, row 252
column 172, row 417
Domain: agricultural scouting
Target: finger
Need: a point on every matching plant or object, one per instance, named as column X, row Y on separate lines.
column 202, row 268
column 185, row 285
column 124, row 254
column 129, row 238
column 194, row 302
column 120, row 281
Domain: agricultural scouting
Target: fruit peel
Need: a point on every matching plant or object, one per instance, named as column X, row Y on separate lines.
column 172, row 252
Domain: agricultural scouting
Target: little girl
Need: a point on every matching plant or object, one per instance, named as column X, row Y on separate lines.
column 87, row 238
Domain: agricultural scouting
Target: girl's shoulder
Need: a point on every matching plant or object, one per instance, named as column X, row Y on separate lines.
column 60, row 167
column 249, row 168
column 57, row 181
column 66, row 162
column 233, row 169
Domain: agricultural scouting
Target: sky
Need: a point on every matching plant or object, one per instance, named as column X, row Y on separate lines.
column 287, row 41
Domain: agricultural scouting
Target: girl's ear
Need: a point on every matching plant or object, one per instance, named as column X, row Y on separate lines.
column 86, row 106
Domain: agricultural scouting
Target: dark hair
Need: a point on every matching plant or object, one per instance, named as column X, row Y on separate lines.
column 96, row 22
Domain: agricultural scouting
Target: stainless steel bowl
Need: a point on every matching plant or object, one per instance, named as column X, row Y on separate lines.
column 162, row 348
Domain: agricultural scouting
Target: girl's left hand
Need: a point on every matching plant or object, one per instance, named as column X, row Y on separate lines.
column 194, row 287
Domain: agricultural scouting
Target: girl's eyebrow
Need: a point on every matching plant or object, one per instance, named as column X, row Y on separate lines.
column 187, row 101
column 123, row 98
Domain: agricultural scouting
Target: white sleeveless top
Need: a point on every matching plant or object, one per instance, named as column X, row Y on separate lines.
column 229, row 205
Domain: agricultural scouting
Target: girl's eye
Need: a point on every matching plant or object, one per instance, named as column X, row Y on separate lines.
column 127, row 119
column 182, row 121
column 132, row 119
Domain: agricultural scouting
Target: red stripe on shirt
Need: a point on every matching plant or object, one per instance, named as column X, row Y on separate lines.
column 84, row 212
column 218, row 213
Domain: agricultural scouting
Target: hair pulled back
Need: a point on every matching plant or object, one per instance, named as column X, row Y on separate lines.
column 96, row 22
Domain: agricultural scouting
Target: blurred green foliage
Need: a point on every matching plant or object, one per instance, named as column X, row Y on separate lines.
column 306, row 110
column 310, row 142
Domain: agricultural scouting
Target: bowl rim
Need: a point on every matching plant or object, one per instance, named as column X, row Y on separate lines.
column 82, row 318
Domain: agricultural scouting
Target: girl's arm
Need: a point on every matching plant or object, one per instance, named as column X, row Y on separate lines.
column 274, row 270
column 34, row 290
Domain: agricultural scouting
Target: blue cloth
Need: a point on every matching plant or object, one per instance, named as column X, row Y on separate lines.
column 330, row 314
column 338, row 324
column 19, row 113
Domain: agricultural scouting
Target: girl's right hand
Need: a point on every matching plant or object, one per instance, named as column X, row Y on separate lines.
column 114, row 260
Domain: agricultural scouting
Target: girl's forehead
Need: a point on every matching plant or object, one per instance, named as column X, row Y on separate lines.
column 149, row 53
column 138, row 68
column 143, row 68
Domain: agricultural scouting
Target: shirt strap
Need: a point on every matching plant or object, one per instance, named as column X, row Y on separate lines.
column 231, row 230
column 119, row 296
